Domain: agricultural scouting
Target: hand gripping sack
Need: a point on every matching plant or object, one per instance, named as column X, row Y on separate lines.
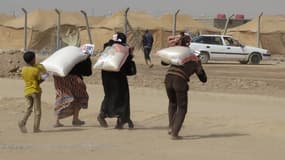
column 177, row 55
column 112, row 58
column 61, row 62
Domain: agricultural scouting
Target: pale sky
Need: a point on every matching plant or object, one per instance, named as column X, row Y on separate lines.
column 196, row 8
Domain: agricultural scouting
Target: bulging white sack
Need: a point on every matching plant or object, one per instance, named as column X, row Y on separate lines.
column 112, row 58
column 61, row 62
column 177, row 55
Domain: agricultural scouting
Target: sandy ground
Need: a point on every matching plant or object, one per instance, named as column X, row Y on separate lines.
column 237, row 115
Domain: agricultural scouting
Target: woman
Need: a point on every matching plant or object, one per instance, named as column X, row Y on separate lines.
column 116, row 101
column 176, row 84
column 71, row 94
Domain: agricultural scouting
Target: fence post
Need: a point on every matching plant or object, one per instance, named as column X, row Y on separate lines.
column 226, row 26
column 25, row 29
column 258, row 31
column 126, row 21
column 87, row 26
column 58, row 29
column 174, row 22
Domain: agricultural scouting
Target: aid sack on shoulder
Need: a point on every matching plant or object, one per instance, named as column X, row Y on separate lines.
column 61, row 62
column 177, row 55
column 112, row 58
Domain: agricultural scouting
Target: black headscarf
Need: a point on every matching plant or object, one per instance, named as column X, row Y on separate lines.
column 119, row 38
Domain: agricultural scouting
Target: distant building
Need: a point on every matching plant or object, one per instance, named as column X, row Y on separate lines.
column 220, row 21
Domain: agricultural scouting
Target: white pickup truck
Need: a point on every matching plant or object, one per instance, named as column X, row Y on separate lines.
column 226, row 48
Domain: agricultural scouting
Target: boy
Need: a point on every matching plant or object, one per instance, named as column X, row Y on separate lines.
column 31, row 74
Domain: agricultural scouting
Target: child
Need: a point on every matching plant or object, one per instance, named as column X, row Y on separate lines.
column 31, row 74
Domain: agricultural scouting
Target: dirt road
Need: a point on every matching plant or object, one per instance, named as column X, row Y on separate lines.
column 238, row 114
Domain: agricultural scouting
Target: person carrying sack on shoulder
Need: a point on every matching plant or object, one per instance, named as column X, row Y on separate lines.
column 116, row 102
column 71, row 93
column 176, row 84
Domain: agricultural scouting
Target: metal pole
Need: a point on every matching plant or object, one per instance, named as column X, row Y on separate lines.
column 258, row 31
column 25, row 29
column 174, row 22
column 126, row 21
column 226, row 26
column 87, row 25
column 58, row 29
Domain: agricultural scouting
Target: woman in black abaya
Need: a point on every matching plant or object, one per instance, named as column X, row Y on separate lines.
column 116, row 101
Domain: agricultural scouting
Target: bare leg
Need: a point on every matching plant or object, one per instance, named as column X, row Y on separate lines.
column 57, row 123
column 149, row 63
column 119, row 124
column 29, row 110
column 102, row 121
column 37, row 112
column 146, row 61
column 76, row 113
column 76, row 121
column 130, row 124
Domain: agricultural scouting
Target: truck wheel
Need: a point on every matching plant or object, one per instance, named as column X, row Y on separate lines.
column 204, row 57
column 254, row 58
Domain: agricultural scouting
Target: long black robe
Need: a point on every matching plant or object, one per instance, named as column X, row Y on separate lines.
column 116, row 101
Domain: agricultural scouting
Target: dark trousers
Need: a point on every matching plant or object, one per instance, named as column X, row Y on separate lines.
column 176, row 88
column 147, row 51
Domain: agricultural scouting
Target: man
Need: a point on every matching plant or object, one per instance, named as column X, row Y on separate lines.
column 176, row 84
column 147, row 41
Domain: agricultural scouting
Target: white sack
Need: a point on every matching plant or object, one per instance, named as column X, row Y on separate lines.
column 112, row 58
column 62, row 61
column 177, row 55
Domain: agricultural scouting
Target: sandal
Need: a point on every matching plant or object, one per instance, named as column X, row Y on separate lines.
column 102, row 121
column 78, row 123
column 22, row 127
column 58, row 125
column 176, row 137
column 119, row 124
column 169, row 131
column 130, row 124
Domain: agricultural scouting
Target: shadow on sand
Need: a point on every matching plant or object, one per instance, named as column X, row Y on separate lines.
column 194, row 136
column 140, row 127
column 63, row 129
column 216, row 135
